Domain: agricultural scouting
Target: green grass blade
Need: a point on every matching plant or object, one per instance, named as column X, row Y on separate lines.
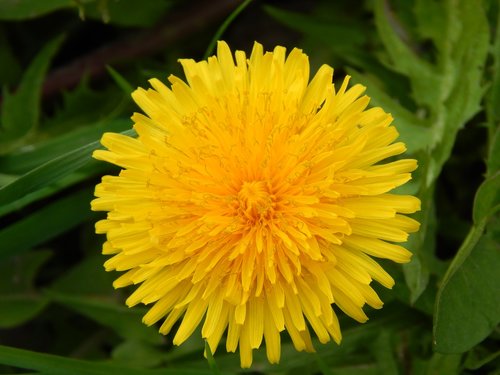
column 25, row 159
column 93, row 168
column 57, row 365
column 46, row 223
column 49, row 172
column 211, row 361
column 224, row 26
column 120, row 81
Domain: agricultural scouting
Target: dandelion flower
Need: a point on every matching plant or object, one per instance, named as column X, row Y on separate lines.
column 253, row 201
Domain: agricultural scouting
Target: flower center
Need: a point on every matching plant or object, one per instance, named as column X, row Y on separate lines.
column 255, row 202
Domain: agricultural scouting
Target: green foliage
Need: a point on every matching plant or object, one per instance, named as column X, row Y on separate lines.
column 19, row 302
column 21, row 111
column 49, row 172
column 434, row 65
column 211, row 360
column 56, row 365
column 467, row 308
column 96, row 300
column 26, row 9
column 35, row 229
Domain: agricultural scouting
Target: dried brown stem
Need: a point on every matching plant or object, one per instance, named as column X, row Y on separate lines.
column 178, row 24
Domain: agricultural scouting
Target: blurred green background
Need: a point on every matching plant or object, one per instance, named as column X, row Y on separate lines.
column 67, row 68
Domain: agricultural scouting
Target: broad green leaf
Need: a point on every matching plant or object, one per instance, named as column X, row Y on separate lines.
column 452, row 88
column 473, row 275
column 461, row 85
column 21, row 110
column 126, row 322
column 487, row 200
column 467, row 307
column 423, row 76
column 46, row 223
column 430, row 15
column 460, row 66
column 50, row 172
column 57, row 365
column 19, row 301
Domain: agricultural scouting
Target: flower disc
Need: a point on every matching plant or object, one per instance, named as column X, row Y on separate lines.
column 254, row 200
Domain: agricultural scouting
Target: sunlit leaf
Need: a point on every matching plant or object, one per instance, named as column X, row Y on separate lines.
column 467, row 307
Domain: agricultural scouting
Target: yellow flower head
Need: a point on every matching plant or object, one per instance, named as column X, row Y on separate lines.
column 253, row 200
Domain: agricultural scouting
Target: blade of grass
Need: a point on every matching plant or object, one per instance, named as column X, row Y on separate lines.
column 25, row 159
column 46, row 223
column 120, row 81
column 224, row 26
column 93, row 168
column 57, row 365
column 50, row 172
column 210, row 359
